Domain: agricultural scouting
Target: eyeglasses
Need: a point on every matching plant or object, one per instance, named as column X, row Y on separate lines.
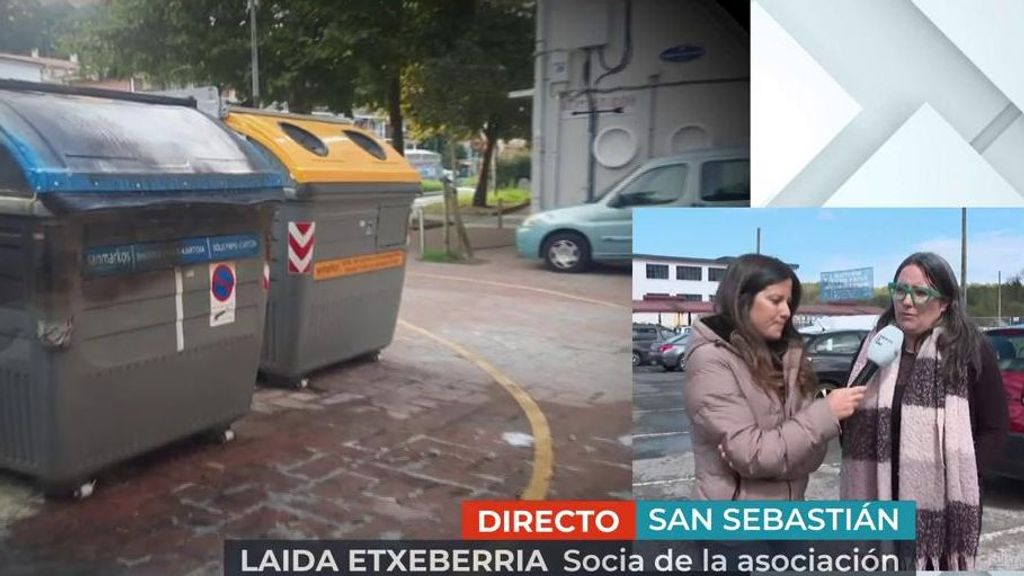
column 919, row 295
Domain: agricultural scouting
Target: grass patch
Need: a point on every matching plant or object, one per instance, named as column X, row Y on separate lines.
column 509, row 197
column 431, row 185
column 438, row 256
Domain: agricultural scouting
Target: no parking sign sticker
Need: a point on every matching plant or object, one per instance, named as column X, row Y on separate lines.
column 222, row 293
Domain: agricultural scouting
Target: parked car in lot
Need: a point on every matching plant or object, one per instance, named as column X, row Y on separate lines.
column 671, row 354
column 569, row 239
column 644, row 335
column 1009, row 346
column 831, row 353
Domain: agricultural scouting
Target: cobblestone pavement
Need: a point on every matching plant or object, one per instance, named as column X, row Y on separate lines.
column 372, row 450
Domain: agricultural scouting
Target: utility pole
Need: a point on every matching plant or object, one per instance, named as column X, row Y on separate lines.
column 999, row 299
column 758, row 239
column 253, row 5
column 963, row 253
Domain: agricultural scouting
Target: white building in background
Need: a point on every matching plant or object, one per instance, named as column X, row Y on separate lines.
column 37, row 69
column 676, row 78
column 688, row 279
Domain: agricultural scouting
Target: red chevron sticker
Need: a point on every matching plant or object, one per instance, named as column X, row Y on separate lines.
column 301, row 238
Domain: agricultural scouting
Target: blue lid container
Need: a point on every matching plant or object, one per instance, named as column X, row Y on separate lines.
column 90, row 149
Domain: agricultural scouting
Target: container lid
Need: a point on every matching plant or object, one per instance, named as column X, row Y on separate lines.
column 77, row 145
column 324, row 151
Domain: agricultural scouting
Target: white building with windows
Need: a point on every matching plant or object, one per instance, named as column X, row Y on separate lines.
column 675, row 279
column 688, row 279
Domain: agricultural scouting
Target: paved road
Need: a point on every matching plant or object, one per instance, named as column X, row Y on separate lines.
column 382, row 449
column 663, row 468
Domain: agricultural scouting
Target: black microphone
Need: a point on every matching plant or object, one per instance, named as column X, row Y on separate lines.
column 883, row 350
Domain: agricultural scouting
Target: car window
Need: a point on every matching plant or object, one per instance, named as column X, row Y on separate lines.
column 678, row 339
column 1009, row 349
column 725, row 181
column 660, row 185
column 643, row 332
column 846, row 343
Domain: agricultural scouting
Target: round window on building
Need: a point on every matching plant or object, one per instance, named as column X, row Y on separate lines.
column 615, row 147
column 689, row 138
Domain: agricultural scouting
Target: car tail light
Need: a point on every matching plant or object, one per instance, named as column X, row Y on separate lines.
column 664, row 348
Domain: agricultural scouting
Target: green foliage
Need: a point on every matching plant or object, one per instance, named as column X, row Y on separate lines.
column 208, row 42
column 452, row 62
column 30, row 24
column 431, row 185
column 509, row 197
column 463, row 91
column 459, row 90
column 982, row 299
column 438, row 256
column 512, row 168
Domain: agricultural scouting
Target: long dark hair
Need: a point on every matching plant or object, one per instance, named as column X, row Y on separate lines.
column 960, row 342
column 746, row 276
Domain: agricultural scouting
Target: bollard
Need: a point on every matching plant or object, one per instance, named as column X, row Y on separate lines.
column 500, row 213
column 423, row 241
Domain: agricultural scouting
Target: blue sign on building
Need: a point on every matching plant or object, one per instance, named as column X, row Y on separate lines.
column 847, row 285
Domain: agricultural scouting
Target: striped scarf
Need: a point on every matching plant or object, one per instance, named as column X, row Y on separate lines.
column 937, row 466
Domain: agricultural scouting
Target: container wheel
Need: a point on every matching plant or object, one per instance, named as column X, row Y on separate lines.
column 301, row 383
column 84, row 490
column 226, row 435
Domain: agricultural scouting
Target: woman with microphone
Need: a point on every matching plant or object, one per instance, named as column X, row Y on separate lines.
column 932, row 419
column 758, row 431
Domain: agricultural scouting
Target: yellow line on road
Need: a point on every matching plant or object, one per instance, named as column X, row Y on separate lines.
column 543, row 454
column 520, row 287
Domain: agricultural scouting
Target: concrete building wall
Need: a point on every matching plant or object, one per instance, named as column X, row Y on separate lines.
column 651, row 108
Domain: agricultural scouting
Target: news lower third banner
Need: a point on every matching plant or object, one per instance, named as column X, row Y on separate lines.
column 617, row 537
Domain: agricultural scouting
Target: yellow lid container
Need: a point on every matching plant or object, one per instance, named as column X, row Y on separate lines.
column 322, row 150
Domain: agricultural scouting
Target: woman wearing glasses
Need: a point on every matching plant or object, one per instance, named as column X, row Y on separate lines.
column 932, row 420
column 758, row 432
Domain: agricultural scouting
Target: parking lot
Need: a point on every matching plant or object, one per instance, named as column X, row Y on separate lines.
column 504, row 381
column 663, row 468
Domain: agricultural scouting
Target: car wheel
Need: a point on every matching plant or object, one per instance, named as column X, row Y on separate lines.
column 636, row 358
column 681, row 365
column 567, row 252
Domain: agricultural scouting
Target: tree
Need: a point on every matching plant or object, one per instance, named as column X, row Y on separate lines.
column 381, row 39
column 27, row 25
column 464, row 91
column 458, row 59
column 207, row 42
